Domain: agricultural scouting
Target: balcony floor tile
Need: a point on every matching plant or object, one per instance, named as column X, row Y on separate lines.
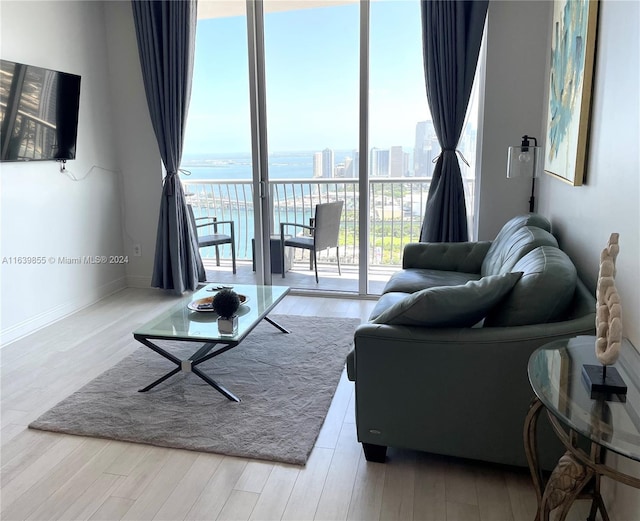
column 300, row 277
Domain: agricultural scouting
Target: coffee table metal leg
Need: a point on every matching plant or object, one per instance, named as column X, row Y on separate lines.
column 201, row 355
column 160, row 380
column 275, row 324
column 215, row 385
column 157, row 349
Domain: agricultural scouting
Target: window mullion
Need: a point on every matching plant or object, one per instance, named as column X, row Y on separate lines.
column 363, row 148
column 259, row 148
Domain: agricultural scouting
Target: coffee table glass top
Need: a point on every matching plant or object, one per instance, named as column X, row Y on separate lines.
column 555, row 373
column 179, row 322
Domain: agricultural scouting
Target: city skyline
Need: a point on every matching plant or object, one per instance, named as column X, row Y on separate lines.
column 393, row 161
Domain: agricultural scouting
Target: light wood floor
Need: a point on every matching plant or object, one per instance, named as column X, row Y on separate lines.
column 51, row 476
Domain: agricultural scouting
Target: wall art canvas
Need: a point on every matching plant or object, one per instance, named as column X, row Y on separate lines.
column 570, row 84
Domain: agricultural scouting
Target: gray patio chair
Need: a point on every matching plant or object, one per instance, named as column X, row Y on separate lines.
column 215, row 239
column 323, row 234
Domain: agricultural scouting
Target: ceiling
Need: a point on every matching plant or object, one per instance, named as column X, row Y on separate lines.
column 226, row 8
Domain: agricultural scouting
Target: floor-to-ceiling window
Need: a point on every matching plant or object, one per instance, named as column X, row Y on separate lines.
column 403, row 141
column 313, row 81
column 312, row 90
column 401, row 137
column 217, row 146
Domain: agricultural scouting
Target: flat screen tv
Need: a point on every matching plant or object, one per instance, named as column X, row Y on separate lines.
column 38, row 113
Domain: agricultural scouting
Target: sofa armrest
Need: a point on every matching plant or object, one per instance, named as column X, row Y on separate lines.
column 465, row 257
column 478, row 336
column 490, row 339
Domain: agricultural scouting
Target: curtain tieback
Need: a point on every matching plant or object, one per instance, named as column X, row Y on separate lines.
column 169, row 187
column 464, row 159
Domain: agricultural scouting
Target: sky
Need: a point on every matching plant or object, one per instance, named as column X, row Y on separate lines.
column 312, row 69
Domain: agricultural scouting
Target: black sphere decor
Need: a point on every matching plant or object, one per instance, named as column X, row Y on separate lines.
column 226, row 302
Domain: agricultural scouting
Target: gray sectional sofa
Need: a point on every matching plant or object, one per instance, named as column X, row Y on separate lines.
column 441, row 366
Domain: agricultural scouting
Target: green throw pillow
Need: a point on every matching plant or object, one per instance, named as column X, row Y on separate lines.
column 450, row 306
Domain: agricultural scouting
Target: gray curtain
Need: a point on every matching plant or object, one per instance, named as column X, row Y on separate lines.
column 451, row 35
column 166, row 43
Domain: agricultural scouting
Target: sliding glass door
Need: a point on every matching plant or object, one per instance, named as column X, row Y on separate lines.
column 312, row 91
column 217, row 162
column 297, row 103
column 400, row 150
column 403, row 143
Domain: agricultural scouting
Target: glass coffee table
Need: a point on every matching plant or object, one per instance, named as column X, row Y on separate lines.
column 181, row 323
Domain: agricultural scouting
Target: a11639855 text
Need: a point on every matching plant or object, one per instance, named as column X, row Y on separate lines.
column 22, row 260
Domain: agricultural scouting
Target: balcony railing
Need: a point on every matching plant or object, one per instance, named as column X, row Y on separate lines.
column 396, row 206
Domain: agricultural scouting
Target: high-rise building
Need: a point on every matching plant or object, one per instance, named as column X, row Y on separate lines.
column 352, row 166
column 327, row 163
column 426, row 148
column 379, row 163
column 373, row 162
column 317, row 164
column 383, row 163
column 397, row 162
column 348, row 167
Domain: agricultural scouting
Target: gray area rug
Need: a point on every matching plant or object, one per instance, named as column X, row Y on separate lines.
column 286, row 384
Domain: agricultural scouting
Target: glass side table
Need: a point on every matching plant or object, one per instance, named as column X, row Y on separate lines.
column 611, row 424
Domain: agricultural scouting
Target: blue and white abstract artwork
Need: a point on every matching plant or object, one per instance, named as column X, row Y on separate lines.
column 570, row 80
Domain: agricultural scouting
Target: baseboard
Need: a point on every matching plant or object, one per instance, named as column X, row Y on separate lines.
column 138, row 282
column 51, row 315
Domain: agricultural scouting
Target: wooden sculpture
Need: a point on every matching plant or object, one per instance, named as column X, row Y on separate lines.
column 608, row 309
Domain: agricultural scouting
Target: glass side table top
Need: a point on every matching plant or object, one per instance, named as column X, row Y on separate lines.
column 555, row 373
column 181, row 323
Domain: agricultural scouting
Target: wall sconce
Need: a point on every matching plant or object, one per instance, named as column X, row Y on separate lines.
column 525, row 161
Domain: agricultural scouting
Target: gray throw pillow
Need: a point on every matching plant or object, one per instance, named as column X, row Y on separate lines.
column 450, row 306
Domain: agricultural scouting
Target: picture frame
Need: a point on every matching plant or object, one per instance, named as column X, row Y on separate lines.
column 570, row 88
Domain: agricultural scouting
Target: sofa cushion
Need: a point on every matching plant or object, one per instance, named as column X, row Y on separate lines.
column 515, row 246
column 448, row 306
column 542, row 294
column 527, row 219
column 386, row 301
column 494, row 257
column 465, row 257
column 412, row 280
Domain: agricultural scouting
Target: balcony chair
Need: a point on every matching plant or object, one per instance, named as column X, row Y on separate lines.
column 322, row 235
column 216, row 239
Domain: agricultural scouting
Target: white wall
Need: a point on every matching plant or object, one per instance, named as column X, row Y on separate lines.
column 136, row 142
column 583, row 217
column 609, row 201
column 514, row 94
column 43, row 212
